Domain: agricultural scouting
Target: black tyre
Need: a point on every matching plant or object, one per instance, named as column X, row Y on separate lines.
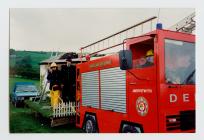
column 90, row 125
column 130, row 129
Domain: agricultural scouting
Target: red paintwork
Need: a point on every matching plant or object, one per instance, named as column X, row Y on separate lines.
column 158, row 100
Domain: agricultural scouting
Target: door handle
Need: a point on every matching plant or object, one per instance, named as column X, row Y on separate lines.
column 172, row 86
column 133, row 83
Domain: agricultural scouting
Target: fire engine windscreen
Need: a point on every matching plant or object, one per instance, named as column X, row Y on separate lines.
column 179, row 62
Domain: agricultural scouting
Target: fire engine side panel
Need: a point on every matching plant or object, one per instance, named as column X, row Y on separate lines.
column 90, row 89
column 108, row 120
column 113, row 89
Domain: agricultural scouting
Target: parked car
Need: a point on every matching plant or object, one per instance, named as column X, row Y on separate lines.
column 23, row 91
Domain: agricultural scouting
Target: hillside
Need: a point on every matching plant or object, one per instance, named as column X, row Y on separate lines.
column 23, row 63
column 36, row 57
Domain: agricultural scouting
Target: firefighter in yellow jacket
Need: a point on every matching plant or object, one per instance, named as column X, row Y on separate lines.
column 54, row 79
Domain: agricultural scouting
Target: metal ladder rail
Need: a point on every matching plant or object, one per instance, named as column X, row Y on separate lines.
column 113, row 36
column 43, row 92
column 186, row 25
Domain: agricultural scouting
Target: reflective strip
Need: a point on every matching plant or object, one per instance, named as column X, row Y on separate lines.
column 113, row 89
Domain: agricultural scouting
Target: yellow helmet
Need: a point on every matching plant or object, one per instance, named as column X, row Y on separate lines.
column 149, row 53
column 53, row 65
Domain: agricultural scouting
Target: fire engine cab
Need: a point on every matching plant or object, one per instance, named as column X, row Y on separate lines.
column 148, row 86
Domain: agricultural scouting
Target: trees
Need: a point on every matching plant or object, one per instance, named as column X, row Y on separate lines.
column 12, row 52
column 26, row 63
column 23, row 67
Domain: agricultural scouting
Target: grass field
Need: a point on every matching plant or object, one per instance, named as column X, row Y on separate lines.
column 23, row 120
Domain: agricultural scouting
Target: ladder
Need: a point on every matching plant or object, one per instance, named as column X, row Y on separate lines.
column 116, row 39
column 43, row 92
column 186, row 25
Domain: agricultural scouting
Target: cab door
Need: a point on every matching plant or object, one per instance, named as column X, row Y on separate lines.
column 141, row 83
column 176, row 89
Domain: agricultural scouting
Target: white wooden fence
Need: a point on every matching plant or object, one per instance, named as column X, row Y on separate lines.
column 64, row 109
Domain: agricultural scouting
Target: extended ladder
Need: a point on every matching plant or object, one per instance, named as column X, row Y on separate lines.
column 116, row 39
column 186, row 25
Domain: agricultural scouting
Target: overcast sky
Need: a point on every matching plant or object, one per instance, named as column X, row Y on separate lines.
column 69, row 29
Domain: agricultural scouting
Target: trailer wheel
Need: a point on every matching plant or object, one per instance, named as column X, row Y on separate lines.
column 130, row 129
column 90, row 125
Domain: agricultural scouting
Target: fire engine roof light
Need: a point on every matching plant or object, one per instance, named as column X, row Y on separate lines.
column 159, row 26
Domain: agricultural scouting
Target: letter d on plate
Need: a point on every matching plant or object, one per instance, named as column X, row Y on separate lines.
column 173, row 98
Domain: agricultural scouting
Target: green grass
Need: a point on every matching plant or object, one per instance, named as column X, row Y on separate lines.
column 47, row 113
column 23, row 120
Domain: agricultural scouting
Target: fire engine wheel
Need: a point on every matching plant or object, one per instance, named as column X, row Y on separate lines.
column 90, row 125
column 130, row 129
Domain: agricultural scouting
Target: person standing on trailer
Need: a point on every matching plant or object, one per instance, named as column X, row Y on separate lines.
column 68, row 81
column 65, row 81
column 72, row 80
column 54, row 79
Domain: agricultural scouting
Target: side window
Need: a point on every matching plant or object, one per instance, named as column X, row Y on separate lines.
column 143, row 54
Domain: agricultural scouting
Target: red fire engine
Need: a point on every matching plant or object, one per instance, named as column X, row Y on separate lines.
column 149, row 86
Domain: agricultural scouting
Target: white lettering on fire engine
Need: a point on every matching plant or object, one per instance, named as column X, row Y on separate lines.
column 173, row 98
column 186, row 97
column 142, row 90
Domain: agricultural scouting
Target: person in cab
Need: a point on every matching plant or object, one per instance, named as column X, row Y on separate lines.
column 147, row 60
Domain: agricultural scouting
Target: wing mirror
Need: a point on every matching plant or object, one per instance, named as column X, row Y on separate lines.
column 125, row 58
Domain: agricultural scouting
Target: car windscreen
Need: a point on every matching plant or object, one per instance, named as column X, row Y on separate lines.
column 26, row 88
column 179, row 62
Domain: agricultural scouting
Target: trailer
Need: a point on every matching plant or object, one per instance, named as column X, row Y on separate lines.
column 120, row 93
column 62, row 114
